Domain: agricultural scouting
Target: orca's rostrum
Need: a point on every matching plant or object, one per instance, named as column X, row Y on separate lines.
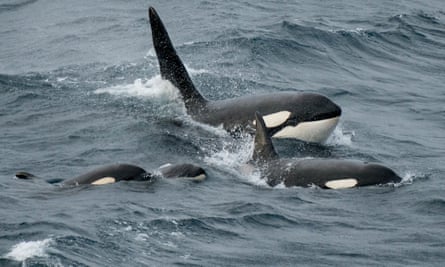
column 305, row 116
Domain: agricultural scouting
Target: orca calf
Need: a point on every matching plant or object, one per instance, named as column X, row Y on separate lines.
column 305, row 116
column 125, row 172
column 325, row 173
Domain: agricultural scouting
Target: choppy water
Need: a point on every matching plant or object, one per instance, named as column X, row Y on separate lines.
column 80, row 88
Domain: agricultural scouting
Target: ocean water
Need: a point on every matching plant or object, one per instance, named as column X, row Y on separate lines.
column 80, row 88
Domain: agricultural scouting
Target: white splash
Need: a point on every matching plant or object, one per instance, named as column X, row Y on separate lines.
column 234, row 158
column 357, row 30
column 233, row 154
column 142, row 237
column 340, row 137
column 193, row 71
column 256, row 179
column 154, row 87
column 25, row 250
column 151, row 53
column 216, row 130
column 408, row 178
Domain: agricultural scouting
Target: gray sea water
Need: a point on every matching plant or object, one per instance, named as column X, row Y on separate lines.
column 80, row 88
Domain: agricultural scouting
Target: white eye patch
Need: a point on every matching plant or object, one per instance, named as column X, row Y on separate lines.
column 275, row 119
column 104, row 180
column 341, row 184
column 310, row 131
column 199, row 178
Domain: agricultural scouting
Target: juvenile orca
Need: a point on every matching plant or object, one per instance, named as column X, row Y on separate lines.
column 325, row 173
column 305, row 116
column 125, row 172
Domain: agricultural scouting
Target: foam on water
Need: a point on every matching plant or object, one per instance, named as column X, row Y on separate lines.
column 233, row 153
column 155, row 87
column 339, row 137
column 408, row 178
column 216, row 130
column 151, row 53
column 234, row 157
column 193, row 71
column 26, row 250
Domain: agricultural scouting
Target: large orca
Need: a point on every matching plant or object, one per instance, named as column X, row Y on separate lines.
column 305, row 116
column 325, row 173
column 125, row 172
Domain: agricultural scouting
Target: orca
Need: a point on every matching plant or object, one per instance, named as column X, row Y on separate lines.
column 325, row 173
column 308, row 117
column 126, row 172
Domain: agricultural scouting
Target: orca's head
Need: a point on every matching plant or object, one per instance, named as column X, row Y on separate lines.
column 309, row 117
column 367, row 174
column 374, row 174
column 185, row 170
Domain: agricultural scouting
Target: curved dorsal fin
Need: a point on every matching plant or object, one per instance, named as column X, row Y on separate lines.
column 170, row 64
column 264, row 148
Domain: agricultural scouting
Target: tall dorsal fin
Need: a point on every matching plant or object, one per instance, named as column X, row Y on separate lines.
column 263, row 149
column 171, row 65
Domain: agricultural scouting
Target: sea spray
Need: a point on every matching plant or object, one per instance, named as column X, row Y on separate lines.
column 29, row 249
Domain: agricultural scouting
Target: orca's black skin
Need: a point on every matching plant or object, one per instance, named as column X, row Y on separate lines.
column 125, row 172
column 183, row 170
column 238, row 113
column 325, row 173
column 120, row 172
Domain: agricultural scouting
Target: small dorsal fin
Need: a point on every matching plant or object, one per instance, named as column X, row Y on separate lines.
column 29, row 176
column 24, row 175
column 170, row 64
column 264, row 148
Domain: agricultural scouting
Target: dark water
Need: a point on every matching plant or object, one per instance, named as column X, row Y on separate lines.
column 80, row 88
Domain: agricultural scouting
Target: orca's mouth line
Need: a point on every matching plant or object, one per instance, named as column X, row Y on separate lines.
column 328, row 115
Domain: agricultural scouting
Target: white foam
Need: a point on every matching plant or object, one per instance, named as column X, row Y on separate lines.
column 256, row 179
column 216, row 130
column 26, row 250
column 142, row 237
column 193, row 71
column 357, row 30
column 232, row 154
column 340, row 137
column 151, row 53
column 234, row 158
column 407, row 179
column 154, row 87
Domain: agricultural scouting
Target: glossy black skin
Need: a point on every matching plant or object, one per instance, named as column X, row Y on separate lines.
column 181, row 170
column 307, row 172
column 235, row 113
column 124, row 172
column 120, row 172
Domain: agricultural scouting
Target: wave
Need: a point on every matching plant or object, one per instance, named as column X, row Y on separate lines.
column 28, row 249
column 22, row 82
column 401, row 39
column 15, row 5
